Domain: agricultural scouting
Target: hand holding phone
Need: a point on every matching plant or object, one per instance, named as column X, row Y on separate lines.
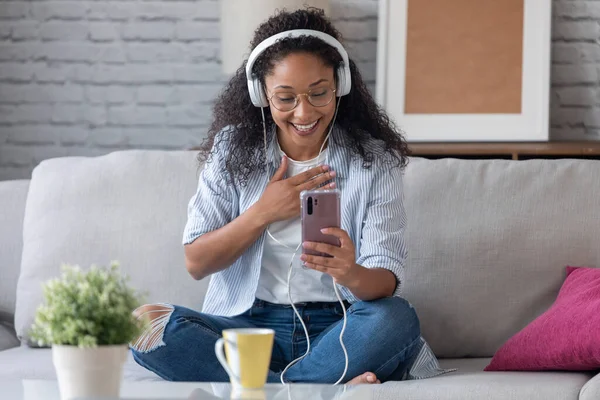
column 332, row 252
column 319, row 209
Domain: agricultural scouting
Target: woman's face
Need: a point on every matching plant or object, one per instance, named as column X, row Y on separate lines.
column 302, row 130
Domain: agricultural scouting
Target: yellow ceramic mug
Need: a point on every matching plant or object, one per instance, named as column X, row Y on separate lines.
column 248, row 353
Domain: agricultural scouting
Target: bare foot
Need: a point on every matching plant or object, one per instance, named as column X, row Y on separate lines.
column 366, row 378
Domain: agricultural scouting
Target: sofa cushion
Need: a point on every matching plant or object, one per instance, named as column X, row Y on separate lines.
column 471, row 383
column 128, row 206
column 488, row 242
column 565, row 337
column 12, row 203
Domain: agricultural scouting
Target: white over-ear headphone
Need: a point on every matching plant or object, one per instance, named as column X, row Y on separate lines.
column 257, row 93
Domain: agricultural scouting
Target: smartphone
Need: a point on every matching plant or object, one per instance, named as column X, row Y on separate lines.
column 319, row 209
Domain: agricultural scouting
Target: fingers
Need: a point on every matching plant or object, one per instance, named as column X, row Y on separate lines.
column 317, row 262
column 326, row 248
column 318, row 181
column 328, row 265
column 327, row 187
column 306, row 175
column 319, row 266
column 280, row 173
column 316, row 267
column 339, row 233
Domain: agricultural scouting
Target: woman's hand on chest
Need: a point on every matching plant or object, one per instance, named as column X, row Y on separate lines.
column 281, row 198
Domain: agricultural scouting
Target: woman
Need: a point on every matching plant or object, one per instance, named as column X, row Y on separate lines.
column 322, row 130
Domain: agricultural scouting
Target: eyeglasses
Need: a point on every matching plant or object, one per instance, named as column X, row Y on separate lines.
column 287, row 101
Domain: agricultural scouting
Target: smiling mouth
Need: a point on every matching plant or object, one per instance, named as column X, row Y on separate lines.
column 305, row 129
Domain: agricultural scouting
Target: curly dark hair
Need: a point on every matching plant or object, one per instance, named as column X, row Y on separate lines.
column 359, row 116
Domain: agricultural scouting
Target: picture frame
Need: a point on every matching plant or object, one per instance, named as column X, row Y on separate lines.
column 465, row 70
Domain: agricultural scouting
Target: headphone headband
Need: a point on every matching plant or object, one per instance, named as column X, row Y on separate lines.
column 343, row 71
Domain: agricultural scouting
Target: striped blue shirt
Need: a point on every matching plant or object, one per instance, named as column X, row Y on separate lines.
column 372, row 208
column 372, row 214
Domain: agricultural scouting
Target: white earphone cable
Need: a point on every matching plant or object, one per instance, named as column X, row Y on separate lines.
column 335, row 288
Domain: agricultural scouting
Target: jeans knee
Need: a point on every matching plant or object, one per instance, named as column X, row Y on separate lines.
column 393, row 314
column 157, row 316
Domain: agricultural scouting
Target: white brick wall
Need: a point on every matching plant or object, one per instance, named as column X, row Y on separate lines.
column 81, row 77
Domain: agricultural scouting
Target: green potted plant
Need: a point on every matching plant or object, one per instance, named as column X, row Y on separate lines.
column 87, row 319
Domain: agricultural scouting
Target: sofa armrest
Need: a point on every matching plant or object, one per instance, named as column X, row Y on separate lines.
column 13, row 196
column 8, row 336
column 591, row 390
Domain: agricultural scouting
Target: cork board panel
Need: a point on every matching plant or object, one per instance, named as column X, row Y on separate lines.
column 464, row 56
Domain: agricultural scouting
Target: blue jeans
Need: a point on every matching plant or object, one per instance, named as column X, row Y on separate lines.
column 382, row 336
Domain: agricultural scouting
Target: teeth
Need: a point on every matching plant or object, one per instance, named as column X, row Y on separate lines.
column 305, row 127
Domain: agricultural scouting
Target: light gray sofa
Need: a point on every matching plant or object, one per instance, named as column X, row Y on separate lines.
column 488, row 243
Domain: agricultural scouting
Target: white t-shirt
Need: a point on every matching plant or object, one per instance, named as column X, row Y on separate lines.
column 306, row 285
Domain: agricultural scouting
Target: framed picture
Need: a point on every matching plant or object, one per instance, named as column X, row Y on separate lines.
column 465, row 70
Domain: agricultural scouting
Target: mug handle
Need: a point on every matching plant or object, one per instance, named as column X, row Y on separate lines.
column 220, row 353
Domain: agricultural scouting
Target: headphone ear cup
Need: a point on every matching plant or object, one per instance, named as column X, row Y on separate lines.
column 256, row 93
column 260, row 94
column 342, row 84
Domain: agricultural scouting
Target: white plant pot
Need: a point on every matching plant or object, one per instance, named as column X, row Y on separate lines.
column 89, row 372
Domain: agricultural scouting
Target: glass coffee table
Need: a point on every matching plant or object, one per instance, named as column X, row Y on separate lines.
column 48, row 390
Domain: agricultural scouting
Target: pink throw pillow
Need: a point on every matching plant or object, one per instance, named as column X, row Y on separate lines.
column 565, row 337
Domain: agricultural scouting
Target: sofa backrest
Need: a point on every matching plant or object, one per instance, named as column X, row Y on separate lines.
column 12, row 208
column 128, row 206
column 489, row 241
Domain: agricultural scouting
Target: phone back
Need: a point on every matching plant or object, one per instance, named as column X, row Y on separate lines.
column 319, row 209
